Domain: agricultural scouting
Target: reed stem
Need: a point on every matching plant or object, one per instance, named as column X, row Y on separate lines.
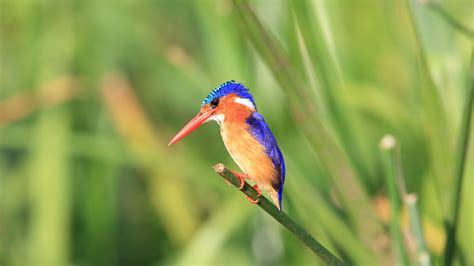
column 422, row 255
column 324, row 254
column 387, row 149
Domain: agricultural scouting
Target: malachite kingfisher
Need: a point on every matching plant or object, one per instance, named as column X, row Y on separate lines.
column 246, row 136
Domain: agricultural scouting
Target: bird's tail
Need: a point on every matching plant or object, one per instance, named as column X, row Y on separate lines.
column 275, row 198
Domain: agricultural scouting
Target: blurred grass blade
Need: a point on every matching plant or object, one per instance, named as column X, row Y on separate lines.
column 100, row 211
column 327, row 218
column 211, row 237
column 132, row 124
column 317, row 52
column 218, row 27
column 433, row 114
column 54, row 92
column 387, row 148
column 327, row 70
column 335, row 162
column 84, row 146
column 423, row 257
column 50, row 202
column 436, row 7
column 49, row 179
column 452, row 221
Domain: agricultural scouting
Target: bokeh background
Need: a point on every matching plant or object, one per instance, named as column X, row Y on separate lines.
column 92, row 91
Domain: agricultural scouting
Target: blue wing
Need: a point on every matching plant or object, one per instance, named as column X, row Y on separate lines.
column 263, row 134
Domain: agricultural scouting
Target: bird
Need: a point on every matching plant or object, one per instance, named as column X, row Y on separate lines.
column 246, row 136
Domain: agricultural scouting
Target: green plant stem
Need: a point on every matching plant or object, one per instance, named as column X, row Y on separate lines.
column 452, row 220
column 387, row 148
column 436, row 7
column 326, row 256
column 422, row 254
column 416, row 228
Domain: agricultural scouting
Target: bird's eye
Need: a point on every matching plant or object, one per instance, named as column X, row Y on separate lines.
column 214, row 103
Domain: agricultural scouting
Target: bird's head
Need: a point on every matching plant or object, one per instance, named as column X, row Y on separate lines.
column 228, row 99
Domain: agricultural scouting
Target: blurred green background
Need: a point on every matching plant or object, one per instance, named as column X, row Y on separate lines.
column 92, row 91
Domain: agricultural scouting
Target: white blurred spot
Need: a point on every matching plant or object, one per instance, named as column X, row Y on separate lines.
column 388, row 142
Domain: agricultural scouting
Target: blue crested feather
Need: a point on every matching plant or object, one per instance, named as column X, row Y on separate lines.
column 262, row 133
column 227, row 88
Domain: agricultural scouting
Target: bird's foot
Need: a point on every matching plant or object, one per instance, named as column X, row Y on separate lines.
column 242, row 178
column 255, row 201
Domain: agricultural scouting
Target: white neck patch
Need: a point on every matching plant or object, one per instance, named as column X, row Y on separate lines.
column 245, row 102
column 218, row 118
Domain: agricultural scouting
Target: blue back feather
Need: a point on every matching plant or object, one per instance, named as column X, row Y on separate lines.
column 227, row 88
column 262, row 133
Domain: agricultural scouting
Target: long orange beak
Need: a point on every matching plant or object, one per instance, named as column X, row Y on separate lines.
column 192, row 125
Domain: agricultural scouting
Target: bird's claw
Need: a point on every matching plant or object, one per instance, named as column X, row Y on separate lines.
column 242, row 183
column 259, row 192
column 242, row 179
column 252, row 200
column 255, row 201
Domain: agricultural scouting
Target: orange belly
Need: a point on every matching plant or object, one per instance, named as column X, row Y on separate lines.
column 249, row 155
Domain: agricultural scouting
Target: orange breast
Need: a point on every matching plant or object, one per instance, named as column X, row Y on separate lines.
column 248, row 154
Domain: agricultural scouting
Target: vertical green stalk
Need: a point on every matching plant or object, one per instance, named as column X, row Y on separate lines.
column 461, row 154
column 416, row 228
column 422, row 254
column 99, row 211
column 49, row 239
column 387, row 149
column 49, row 235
